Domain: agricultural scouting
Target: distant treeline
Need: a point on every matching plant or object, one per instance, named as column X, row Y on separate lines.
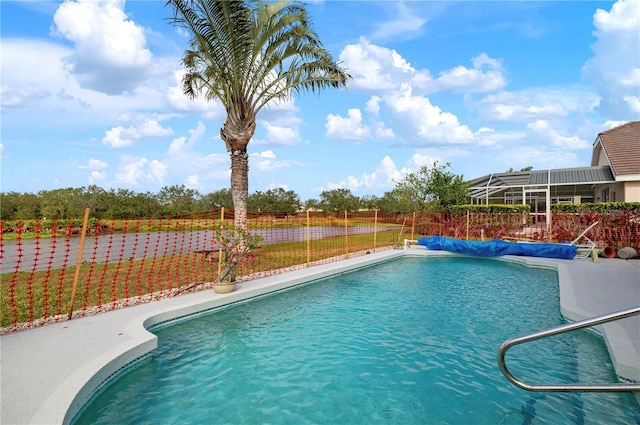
column 124, row 203
column 71, row 203
column 175, row 200
column 431, row 188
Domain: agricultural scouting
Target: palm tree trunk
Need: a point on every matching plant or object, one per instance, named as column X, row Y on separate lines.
column 236, row 134
column 239, row 186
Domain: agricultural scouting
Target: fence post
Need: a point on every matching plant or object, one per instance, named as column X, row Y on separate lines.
column 375, row 230
column 78, row 263
column 308, row 240
column 346, row 234
column 467, row 224
column 413, row 225
column 219, row 244
column 401, row 230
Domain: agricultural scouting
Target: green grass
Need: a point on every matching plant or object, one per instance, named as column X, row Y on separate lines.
column 29, row 296
column 30, row 229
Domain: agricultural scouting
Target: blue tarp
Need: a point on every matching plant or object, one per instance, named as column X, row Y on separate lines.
column 498, row 247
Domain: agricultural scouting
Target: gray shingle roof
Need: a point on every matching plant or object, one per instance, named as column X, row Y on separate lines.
column 573, row 176
column 495, row 183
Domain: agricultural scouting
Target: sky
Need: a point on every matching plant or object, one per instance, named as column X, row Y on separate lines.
column 91, row 95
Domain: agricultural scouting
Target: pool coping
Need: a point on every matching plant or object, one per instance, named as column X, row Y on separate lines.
column 49, row 373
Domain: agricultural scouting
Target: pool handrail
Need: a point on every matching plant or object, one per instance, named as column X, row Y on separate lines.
column 409, row 242
column 610, row 387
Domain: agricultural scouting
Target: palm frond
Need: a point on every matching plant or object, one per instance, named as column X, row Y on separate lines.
column 248, row 53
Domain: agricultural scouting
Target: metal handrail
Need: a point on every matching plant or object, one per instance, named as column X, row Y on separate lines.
column 502, row 351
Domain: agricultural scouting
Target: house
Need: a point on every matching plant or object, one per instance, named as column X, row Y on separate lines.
column 619, row 149
column 614, row 176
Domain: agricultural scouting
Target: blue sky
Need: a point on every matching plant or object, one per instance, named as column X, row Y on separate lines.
column 91, row 95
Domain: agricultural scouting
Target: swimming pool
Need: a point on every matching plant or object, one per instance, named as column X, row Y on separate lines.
column 412, row 340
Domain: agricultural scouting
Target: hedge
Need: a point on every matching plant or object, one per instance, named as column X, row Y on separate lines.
column 600, row 207
column 491, row 208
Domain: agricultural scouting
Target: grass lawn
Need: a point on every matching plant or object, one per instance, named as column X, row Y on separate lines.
column 29, row 296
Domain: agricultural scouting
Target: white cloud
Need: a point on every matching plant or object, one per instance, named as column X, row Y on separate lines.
column 348, row 128
column 380, row 69
column 180, row 144
column 634, row 104
column 430, row 123
column 543, row 131
column 97, row 168
column 193, row 182
column 624, row 15
column 280, row 135
column 136, row 171
column 267, row 161
column 503, row 107
column 353, row 128
column 538, row 158
column 50, row 97
column 383, row 178
column 538, row 103
column 373, row 106
column 419, row 160
column 26, row 84
column 94, row 164
column 489, row 137
column 384, row 71
column 96, row 177
column 21, row 98
column 178, row 101
column 110, row 50
column 373, row 67
column 486, row 75
column 265, row 154
column 405, row 23
column 121, row 137
column 273, row 186
column 381, row 132
column 185, row 162
column 614, row 68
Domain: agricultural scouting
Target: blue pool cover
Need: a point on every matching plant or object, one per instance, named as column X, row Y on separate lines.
column 498, row 247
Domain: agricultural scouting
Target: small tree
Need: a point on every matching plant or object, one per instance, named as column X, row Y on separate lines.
column 274, row 201
column 339, row 200
column 370, row 202
column 433, row 188
column 219, row 199
column 311, row 204
column 235, row 243
column 178, row 199
column 394, row 201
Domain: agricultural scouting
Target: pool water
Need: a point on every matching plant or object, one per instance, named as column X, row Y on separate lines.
column 409, row 341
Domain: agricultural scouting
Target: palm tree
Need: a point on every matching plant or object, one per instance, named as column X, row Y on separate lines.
column 248, row 54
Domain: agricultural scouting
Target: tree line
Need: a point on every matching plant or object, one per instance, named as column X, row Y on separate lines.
column 432, row 188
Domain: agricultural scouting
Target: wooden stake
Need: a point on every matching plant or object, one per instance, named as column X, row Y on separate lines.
column 467, row 224
column 413, row 226
column 375, row 230
column 308, row 240
column 220, row 243
column 402, row 230
column 78, row 263
column 346, row 233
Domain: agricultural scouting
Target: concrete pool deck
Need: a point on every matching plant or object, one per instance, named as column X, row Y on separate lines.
column 48, row 373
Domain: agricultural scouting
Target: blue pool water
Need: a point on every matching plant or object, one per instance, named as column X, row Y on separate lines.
column 409, row 341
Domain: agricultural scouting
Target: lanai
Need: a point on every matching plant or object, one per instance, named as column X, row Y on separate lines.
column 569, row 185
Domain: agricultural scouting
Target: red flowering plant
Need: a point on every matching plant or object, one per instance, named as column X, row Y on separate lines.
column 233, row 244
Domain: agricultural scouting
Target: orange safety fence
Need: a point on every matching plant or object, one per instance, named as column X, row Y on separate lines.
column 125, row 262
